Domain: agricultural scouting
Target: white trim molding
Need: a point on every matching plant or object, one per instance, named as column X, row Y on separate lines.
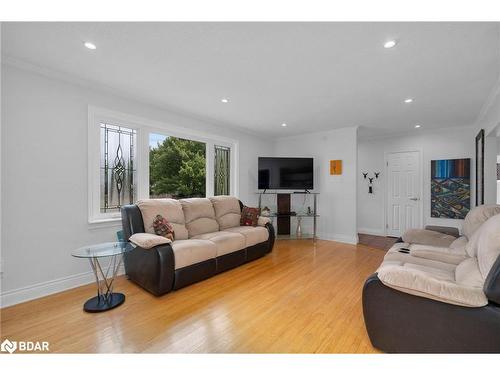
column 372, row 231
column 145, row 127
column 95, row 118
column 337, row 237
column 28, row 293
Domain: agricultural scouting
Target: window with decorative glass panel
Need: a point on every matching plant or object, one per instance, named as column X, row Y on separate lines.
column 222, row 170
column 117, row 167
column 178, row 163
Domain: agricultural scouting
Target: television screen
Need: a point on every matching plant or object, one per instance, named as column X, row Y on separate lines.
column 286, row 173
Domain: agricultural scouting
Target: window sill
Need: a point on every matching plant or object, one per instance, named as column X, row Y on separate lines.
column 115, row 222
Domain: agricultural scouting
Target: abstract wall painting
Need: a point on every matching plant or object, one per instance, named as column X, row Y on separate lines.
column 335, row 167
column 450, row 188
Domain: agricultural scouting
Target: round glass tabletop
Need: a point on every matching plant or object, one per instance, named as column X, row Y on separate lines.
column 103, row 250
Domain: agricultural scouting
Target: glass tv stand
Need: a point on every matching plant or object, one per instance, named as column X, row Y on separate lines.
column 283, row 214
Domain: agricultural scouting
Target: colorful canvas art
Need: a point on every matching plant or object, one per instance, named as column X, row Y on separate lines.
column 450, row 188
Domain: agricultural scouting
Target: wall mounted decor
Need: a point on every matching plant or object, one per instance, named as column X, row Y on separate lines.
column 450, row 188
column 370, row 180
column 480, row 168
column 335, row 167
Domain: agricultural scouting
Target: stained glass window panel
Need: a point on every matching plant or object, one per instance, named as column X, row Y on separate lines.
column 117, row 167
column 222, row 170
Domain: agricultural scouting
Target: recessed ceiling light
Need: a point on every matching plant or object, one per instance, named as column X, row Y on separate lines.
column 224, row 100
column 417, row 126
column 90, row 45
column 409, row 100
column 389, row 44
column 284, row 125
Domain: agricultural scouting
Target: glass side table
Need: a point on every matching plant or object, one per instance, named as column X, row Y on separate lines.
column 104, row 275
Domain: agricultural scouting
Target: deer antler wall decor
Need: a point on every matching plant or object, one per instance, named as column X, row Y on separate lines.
column 370, row 180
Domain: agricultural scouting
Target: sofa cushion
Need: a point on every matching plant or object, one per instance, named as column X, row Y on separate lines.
column 459, row 244
column 225, row 242
column 428, row 237
column 253, row 235
column 188, row 252
column 250, row 216
column 170, row 209
column 227, row 211
column 473, row 243
column 410, row 261
column 200, row 216
column 148, row 240
column 467, row 273
column 421, row 283
column 163, row 228
column 488, row 249
column 394, row 255
column 477, row 216
column 438, row 273
column 441, row 254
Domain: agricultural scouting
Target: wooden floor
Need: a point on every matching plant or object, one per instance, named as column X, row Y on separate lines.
column 302, row 298
column 378, row 242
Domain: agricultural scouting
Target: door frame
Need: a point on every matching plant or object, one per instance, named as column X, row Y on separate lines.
column 420, row 179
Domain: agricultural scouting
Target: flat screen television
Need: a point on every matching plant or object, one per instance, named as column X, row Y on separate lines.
column 286, row 173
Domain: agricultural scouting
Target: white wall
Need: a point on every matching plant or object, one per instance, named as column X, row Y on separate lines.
column 444, row 144
column 44, row 174
column 489, row 120
column 337, row 199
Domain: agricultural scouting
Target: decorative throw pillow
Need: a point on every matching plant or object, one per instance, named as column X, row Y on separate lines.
column 249, row 216
column 163, row 228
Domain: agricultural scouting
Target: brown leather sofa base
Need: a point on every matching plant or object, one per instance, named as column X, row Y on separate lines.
column 231, row 260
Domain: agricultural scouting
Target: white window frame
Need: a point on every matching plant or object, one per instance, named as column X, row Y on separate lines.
column 145, row 127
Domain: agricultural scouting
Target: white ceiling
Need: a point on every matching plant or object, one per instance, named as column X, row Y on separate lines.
column 313, row 76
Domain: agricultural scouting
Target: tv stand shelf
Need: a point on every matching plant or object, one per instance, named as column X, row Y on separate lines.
column 284, row 218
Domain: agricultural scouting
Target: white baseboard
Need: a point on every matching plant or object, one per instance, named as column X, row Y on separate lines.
column 372, row 231
column 28, row 293
column 344, row 238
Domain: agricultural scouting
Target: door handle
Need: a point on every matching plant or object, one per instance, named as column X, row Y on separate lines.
column 414, row 199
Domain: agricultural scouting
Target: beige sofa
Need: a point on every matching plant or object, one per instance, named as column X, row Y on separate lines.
column 441, row 247
column 438, row 299
column 208, row 240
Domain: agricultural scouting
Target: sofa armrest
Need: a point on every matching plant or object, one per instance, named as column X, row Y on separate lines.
column 272, row 236
column 262, row 221
column 152, row 269
column 148, row 241
column 420, row 284
column 451, row 231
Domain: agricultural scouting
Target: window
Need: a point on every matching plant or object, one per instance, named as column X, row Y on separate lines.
column 117, row 167
column 132, row 158
column 177, row 167
column 222, row 170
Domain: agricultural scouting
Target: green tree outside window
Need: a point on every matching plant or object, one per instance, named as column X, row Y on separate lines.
column 177, row 168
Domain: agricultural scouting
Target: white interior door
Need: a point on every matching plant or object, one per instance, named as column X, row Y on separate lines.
column 404, row 192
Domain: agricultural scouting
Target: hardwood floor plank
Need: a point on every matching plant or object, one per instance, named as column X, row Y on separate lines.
column 302, row 298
